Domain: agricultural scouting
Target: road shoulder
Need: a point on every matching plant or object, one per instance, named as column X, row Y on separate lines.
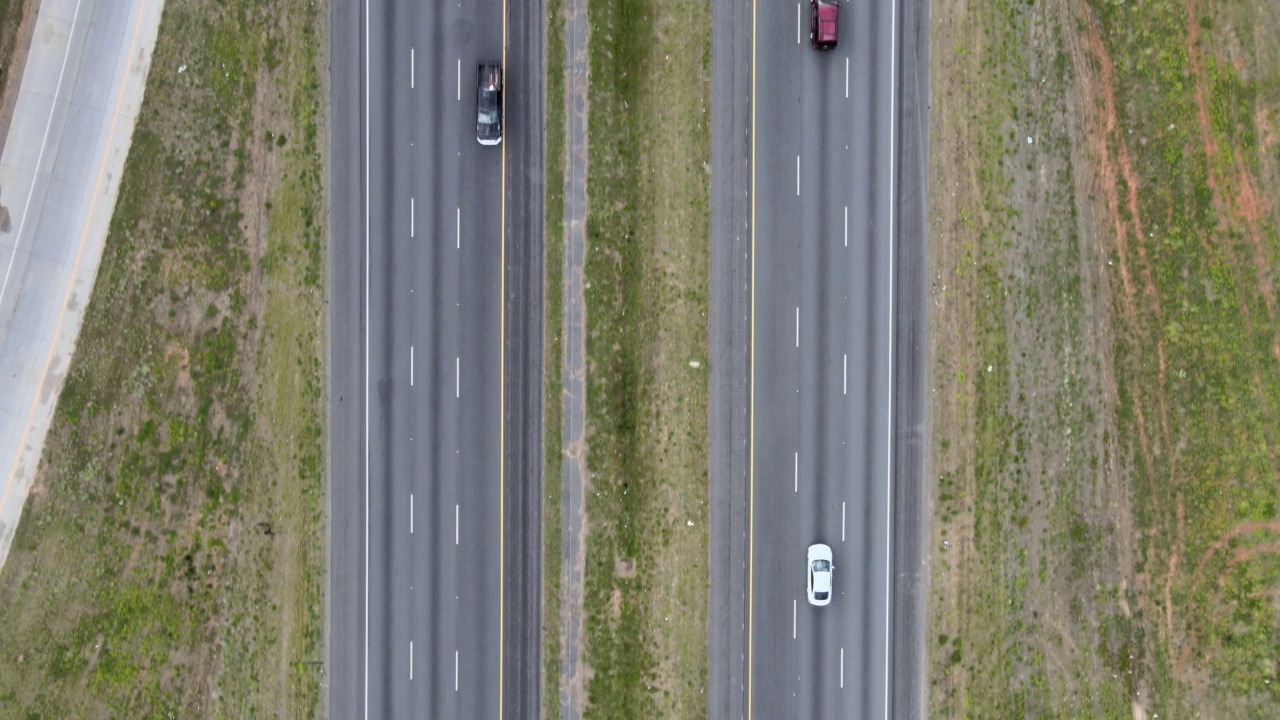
column 730, row 320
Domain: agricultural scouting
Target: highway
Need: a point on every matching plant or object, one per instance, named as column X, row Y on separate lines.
column 421, row 337
column 434, row 344
column 821, row 350
column 825, row 352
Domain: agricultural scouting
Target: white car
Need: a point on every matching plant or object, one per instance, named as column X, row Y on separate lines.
column 820, row 569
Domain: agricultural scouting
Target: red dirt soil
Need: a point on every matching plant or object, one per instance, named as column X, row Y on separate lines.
column 1247, row 206
column 1235, row 532
column 1240, row 555
column 1107, row 177
column 1100, row 130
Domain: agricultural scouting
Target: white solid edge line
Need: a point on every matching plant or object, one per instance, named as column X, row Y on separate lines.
column 888, row 498
column 35, row 176
column 368, row 259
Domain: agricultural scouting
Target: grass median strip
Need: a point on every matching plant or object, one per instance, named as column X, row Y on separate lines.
column 170, row 558
column 647, row 294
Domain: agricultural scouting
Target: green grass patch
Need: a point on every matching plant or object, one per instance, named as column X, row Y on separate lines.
column 647, row 275
column 170, row 558
column 553, row 362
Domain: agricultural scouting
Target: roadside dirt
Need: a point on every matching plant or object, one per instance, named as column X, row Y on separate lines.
column 1033, row 549
column 954, row 198
column 1097, row 548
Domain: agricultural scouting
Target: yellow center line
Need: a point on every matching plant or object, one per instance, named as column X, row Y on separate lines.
column 84, row 234
column 502, row 384
column 751, row 443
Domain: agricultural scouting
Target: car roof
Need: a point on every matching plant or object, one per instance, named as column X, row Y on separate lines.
column 827, row 14
column 822, row 582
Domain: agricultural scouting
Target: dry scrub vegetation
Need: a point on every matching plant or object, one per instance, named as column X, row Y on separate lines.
column 1106, row 363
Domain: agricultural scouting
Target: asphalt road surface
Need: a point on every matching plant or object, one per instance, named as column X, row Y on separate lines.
column 431, row 612
column 822, row 324
column 832, row 234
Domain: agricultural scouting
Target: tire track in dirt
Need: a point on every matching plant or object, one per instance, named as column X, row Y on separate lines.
column 1236, row 205
column 1244, row 528
column 1240, row 555
column 1098, row 87
column 1172, row 572
column 1247, row 206
column 1244, row 554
